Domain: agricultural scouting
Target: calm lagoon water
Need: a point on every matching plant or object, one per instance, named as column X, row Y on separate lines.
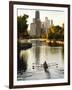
column 35, row 58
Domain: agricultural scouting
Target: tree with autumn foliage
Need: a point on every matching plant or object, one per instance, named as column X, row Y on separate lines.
column 56, row 33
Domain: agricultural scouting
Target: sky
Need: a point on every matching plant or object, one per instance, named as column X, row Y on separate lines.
column 56, row 15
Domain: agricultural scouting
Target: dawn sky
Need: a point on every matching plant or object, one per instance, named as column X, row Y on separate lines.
column 56, row 16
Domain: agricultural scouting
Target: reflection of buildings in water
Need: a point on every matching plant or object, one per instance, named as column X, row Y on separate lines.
column 43, row 54
column 37, row 55
column 33, row 60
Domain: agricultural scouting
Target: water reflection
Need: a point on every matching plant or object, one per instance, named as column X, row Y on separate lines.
column 37, row 55
column 34, row 59
column 48, row 74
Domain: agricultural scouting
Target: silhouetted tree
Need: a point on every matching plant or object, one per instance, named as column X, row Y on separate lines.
column 22, row 26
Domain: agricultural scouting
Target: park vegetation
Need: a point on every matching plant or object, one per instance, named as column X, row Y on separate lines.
column 22, row 26
column 56, row 33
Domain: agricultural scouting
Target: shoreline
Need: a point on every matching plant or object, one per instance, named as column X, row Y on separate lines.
column 55, row 42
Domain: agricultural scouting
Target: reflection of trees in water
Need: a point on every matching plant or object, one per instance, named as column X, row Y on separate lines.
column 21, row 63
column 54, row 50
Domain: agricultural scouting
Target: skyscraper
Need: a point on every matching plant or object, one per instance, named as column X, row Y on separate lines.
column 46, row 25
column 37, row 15
column 51, row 22
column 38, row 23
column 35, row 26
column 32, row 29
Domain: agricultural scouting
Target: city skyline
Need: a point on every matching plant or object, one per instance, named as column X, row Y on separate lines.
column 37, row 27
column 56, row 16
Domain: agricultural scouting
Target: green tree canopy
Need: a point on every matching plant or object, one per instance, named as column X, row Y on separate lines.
column 22, row 24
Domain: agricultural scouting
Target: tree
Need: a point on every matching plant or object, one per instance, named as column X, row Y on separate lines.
column 51, row 33
column 62, row 32
column 56, row 33
column 22, row 25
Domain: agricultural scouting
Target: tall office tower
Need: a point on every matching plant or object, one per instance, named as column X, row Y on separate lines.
column 32, row 29
column 37, row 15
column 46, row 25
column 38, row 24
column 35, row 26
column 51, row 22
column 43, row 30
column 42, row 25
column 33, row 20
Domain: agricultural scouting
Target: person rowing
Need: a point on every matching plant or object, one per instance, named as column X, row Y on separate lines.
column 45, row 66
